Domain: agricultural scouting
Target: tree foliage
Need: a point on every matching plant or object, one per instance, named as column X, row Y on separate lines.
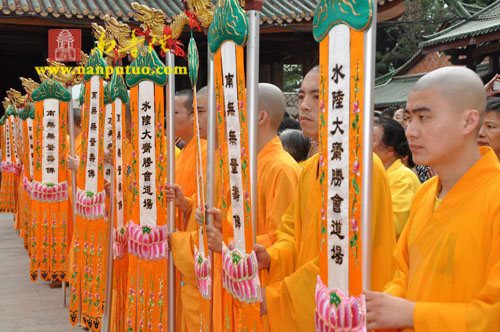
column 398, row 41
column 292, row 77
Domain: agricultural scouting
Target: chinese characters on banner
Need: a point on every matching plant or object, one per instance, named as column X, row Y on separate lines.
column 147, row 149
column 50, row 155
column 338, row 157
column 92, row 157
column 108, row 132
column 230, row 89
column 8, row 150
column 120, row 167
column 30, row 142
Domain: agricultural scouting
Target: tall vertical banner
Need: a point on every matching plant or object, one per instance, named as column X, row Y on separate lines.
column 339, row 28
column 239, row 269
column 49, row 186
column 118, row 98
column 17, row 105
column 27, row 116
column 88, row 252
column 3, row 187
column 9, row 167
column 146, row 308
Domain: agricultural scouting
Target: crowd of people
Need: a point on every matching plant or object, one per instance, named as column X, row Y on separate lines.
column 435, row 246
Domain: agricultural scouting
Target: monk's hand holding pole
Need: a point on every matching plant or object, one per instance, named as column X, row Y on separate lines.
column 214, row 238
column 385, row 311
column 107, row 187
column 214, row 234
column 72, row 163
column 263, row 305
column 169, row 240
column 263, row 258
column 174, row 192
column 489, row 86
column 197, row 215
column 108, row 157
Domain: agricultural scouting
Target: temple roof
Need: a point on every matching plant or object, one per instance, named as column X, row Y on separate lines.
column 483, row 22
column 274, row 11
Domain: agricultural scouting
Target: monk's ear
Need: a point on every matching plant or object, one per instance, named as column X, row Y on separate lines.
column 472, row 121
column 262, row 117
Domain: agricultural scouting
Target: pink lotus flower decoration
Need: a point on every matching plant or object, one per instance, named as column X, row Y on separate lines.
column 337, row 312
column 355, row 107
column 240, row 275
column 355, row 168
column 202, row 273
column 354, row 225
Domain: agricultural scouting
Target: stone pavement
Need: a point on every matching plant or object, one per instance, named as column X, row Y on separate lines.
column 26, row 306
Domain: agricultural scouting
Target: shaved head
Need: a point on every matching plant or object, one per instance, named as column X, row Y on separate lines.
column 445, row 110
column 202, row 91
column 272, row 101
column 460, row 86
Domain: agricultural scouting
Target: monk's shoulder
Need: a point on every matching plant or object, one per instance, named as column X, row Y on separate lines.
column 284, row 162
column 426, row 190
column 489, row 194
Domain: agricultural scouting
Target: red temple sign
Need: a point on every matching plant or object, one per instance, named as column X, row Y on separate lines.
column 65, row 45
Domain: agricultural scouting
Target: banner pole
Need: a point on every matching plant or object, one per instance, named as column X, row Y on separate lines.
column 253, row 103
column 211, row 139
column 71, row 126
column 169, row 95
column 366, row 194
column 106, row 319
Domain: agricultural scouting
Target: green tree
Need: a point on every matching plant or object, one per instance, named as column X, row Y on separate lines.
column 292, row 77
column 398, row 41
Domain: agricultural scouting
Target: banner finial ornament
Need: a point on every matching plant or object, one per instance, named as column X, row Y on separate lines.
column 230, row 23
column 145, row 67
column 51, row 89
column 96, row 66
column 355, row 14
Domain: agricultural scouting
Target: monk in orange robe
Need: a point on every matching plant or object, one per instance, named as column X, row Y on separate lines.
column 293, row 260
column 277, row 179
column 448, row 256
column 187, row 306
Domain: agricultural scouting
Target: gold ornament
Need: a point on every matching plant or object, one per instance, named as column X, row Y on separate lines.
column 152, row 19
column 29, row 84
